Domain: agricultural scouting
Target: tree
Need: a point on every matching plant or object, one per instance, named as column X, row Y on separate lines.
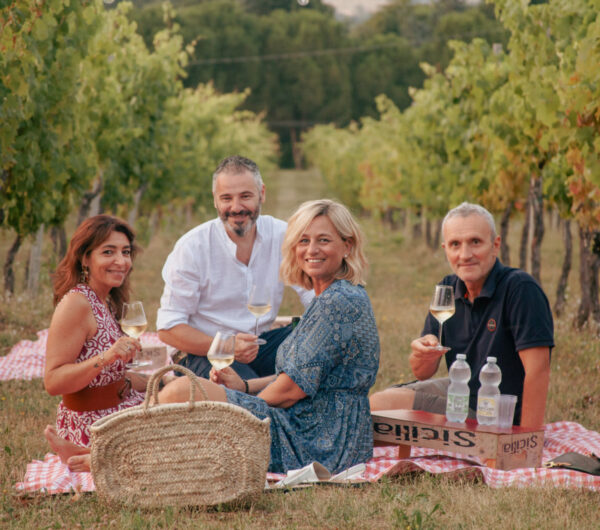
column 264, row 7
column 391, row 68
column 44, row 157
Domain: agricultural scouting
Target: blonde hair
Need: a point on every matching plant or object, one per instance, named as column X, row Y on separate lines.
column 354, row 267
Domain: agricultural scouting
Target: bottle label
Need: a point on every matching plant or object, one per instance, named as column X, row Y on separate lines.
column 458, row 403
column 487, row 407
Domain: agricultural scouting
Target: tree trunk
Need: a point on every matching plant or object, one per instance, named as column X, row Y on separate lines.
column 35, row 261
column 189, row 213
column 537, row 210
column 585, row 258
column 389, row 218
column 437, row 238
column 9, row 275
column 417, row 227
column 90, row 202
column 4, row 174
column 504, row 222
column 556, row 220
column 561, row 289
column 401, row 217
column 296, row 152
column 137, row 197
column 594, row 269
column 524, row 237
column 58, row 235
column 153, row 224
column 428, row 238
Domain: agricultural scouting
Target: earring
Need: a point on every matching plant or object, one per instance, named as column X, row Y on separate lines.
column 85, row 274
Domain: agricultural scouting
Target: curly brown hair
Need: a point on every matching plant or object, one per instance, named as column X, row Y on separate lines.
column 90, row 235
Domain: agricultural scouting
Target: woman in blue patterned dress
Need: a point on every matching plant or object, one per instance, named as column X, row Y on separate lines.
column 318, row 399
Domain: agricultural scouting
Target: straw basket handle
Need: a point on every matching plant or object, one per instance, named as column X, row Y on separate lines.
column 153, row 383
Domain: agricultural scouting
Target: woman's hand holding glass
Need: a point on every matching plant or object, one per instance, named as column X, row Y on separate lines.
column 125, row 348
column 227, row 377
column 134, row 323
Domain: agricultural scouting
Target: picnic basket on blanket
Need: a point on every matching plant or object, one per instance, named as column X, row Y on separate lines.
column 179, row 454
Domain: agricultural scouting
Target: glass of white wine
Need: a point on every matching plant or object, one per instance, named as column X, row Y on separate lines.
column 259, row 304
column 134, row 323
column 222, row 350
column 442, row 308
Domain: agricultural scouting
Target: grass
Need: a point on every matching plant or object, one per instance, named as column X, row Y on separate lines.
column 400, row 282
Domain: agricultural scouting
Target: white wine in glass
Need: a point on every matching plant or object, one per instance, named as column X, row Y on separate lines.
column 259, row 304
column 222, row 350
column 134, row 323
column 442, row 308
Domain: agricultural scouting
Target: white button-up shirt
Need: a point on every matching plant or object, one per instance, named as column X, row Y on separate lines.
column 207, row 287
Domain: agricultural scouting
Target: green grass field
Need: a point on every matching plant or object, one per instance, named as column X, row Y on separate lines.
column 401, row 279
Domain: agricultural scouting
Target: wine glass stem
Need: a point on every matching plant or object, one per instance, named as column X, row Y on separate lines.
column 440, row 334
column 256, row 327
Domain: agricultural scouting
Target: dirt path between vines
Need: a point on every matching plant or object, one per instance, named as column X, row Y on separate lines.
column 287, row 189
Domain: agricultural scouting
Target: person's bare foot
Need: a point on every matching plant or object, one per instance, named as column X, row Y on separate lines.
column 80, row 463
column 64, row 448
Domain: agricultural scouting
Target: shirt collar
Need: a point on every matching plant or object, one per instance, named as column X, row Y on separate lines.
column 489, row 287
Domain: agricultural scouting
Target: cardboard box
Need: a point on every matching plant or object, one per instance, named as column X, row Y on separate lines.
column 502, row 448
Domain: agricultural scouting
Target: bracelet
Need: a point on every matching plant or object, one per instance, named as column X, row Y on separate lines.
column 247, row 389
column 99, row 364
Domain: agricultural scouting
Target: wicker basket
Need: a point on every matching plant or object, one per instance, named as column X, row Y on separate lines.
column 180, row 454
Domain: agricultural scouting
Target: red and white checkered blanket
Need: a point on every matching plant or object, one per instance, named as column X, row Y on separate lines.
column 51, row 476
column 27, row 358
column 26, row 361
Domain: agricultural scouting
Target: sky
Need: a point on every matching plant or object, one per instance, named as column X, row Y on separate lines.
column 351, row 7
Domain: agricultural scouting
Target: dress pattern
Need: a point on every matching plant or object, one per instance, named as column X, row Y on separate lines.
column 75, row 426
column 333, row 356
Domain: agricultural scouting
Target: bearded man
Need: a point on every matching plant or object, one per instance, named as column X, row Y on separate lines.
column 212, row 268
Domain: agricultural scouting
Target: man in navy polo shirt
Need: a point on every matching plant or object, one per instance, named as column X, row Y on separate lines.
column 500, row 312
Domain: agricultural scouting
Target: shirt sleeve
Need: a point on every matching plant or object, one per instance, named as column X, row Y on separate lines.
column 181, row 294
column 530, row 316
column 320, row 342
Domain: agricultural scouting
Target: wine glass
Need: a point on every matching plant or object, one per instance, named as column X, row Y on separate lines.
column 442, row 308
column 259, row 304
column 222, row 350
column 133, row 323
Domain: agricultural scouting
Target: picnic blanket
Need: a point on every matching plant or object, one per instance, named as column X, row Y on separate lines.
column 27, row 358
column 26, row 361
column 51, row 476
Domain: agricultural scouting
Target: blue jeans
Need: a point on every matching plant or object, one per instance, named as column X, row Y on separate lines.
column 263, row 365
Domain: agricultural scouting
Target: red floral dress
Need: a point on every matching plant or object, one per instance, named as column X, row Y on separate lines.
column 75, row 426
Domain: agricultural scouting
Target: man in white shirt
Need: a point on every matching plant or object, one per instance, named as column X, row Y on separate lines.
column 212, row 268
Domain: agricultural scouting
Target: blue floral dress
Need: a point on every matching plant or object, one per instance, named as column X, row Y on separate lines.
column 333, row 356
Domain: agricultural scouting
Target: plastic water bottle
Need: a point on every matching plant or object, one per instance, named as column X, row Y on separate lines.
column 489, row 392
column 457, row 401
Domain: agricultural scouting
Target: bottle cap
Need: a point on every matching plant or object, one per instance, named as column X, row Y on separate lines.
column 491, row 359
column 461, row 356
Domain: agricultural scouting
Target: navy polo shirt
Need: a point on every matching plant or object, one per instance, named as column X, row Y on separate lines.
column 510, row 314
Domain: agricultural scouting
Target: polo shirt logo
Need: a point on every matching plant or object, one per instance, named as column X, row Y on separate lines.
column 491, row 325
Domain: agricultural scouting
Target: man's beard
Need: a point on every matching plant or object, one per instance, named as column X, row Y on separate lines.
column 240, row 229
